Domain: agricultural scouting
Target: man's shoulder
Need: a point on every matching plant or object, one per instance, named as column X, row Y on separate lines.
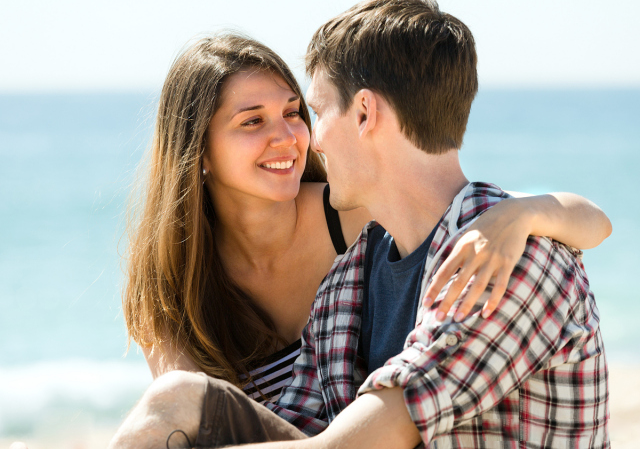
column 479, row 197
column 551, row 269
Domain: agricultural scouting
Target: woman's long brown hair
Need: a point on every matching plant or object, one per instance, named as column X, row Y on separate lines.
column 177, row 290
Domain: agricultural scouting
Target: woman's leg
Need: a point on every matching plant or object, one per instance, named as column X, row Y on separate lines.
column 208, row 412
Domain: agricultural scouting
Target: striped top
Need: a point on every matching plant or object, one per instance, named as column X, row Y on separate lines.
column 272, row 374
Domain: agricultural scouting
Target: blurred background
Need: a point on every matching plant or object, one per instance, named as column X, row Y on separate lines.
column 557, row 111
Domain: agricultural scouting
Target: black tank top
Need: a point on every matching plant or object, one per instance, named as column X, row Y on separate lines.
column 333, row 223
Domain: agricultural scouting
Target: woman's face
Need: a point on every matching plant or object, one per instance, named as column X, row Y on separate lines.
column 257, row 141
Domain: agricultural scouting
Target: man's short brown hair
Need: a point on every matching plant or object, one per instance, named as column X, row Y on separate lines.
column 422, row 61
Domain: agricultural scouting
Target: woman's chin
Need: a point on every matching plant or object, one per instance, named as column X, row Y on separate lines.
column 283, row 191
column 288, row 194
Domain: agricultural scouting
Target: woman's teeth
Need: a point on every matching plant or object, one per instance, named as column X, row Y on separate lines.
column 279, row 165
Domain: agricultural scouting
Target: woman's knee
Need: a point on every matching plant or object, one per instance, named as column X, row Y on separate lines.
column 176, row 387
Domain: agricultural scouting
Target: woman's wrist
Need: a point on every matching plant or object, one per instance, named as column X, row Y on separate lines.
column 524, row 212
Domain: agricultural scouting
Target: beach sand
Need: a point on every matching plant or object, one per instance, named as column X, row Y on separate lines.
column 624, row 386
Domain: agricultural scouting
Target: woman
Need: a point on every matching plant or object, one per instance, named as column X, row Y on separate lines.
column 229, row 246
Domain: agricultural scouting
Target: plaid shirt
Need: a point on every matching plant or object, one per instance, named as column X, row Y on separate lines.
column 532, row 375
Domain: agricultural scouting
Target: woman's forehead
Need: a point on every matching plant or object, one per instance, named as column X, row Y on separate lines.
column 254, row 86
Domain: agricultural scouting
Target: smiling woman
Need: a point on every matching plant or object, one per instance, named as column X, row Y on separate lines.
column 257, row 132
column 201, row 253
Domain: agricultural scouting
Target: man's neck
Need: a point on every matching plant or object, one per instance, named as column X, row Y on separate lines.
column 413, row 193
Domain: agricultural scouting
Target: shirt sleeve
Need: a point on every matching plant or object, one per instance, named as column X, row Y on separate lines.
column 451, row 372
column 301, row 402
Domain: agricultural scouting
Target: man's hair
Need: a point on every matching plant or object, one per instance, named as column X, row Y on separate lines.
column 422, row 61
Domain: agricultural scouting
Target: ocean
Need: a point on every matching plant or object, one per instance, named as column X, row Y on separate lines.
column 67, row 162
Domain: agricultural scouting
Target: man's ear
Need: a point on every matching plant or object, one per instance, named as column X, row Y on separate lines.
column 366, row 111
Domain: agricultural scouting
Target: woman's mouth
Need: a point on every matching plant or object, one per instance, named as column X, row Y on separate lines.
column 280, row 165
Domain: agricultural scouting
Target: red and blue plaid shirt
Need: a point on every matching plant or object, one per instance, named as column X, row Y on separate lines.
column 532, row 375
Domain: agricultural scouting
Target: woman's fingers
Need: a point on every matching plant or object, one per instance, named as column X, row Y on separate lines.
column 440, row 279
column 478, row 286
column 455, row 288
column 499, row 289
column 473, row 255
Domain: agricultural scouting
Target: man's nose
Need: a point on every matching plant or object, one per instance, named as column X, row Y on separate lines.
column 283, row 135
column 314, row 142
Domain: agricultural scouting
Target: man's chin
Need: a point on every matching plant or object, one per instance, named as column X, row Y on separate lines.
column 339, row 202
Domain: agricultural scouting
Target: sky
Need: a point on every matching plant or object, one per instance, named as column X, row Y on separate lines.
column 124, row 45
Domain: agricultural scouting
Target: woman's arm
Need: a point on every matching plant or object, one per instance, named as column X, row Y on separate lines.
column 565, row 217
column 492, row 246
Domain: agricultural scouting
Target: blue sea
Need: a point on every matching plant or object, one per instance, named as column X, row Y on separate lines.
column 67, row 162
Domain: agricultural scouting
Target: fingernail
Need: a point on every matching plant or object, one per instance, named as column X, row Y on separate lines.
column 440, row 316
column 427, row 301
column 486, row 313
column 459, row 316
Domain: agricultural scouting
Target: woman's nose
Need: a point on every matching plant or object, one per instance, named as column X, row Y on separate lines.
column 283, row 135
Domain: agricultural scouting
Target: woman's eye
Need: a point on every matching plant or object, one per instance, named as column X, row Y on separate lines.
column 293, row 114
column 252, row 122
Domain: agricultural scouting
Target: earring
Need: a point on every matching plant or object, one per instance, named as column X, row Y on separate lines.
column 204, row 175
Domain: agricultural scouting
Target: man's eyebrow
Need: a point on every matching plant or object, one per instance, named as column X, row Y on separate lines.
column 260, row 106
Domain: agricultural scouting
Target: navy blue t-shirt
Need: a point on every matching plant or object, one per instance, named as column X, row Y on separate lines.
column 391, row 296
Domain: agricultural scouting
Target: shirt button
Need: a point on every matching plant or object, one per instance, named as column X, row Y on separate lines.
column 451, row 340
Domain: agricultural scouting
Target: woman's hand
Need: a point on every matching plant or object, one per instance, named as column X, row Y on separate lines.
column 490, row 248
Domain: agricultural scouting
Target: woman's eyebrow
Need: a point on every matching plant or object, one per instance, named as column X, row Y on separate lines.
column 260, row 106
column 248, row 108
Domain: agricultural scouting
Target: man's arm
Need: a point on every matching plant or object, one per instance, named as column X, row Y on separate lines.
column 376, row 420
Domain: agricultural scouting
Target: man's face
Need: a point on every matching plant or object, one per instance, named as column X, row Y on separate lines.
column 336, row 136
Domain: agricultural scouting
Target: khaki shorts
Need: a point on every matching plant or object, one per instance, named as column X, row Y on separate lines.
column 229, row 417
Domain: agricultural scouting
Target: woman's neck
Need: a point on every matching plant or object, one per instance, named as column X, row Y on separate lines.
column 254, row 233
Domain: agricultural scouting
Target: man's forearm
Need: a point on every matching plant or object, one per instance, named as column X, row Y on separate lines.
column 378, row 419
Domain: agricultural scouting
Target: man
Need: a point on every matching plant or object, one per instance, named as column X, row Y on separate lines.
column 392, row 86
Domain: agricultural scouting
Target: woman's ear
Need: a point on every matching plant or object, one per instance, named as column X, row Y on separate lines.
column 366, row 111
column 205, row 163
